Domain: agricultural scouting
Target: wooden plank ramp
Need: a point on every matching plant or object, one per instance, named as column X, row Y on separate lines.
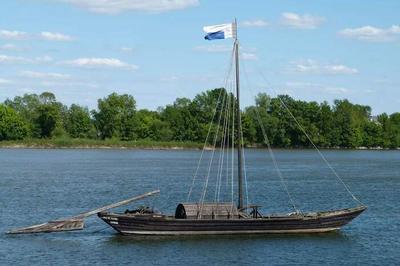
column 75, row 222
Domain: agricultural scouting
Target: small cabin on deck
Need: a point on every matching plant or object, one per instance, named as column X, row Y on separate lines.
column 220, row 210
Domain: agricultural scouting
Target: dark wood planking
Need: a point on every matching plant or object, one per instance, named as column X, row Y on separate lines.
column 148, row 223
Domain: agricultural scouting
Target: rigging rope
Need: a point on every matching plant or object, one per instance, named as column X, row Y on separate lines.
column 283, row 182
column 233, row 149
column 212, row 157
column 230, row 142
column 209, row 130
column 275, row 162
column 245, row 174
column 227, row 174
column 316, row 148
column 222, row 150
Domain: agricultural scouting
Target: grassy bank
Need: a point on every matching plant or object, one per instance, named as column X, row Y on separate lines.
column 57, row 143
column 70, row 143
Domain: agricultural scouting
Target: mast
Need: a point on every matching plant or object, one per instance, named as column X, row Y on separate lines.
column 239, row 122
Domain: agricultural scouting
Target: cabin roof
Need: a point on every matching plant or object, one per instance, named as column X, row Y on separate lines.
column 208, row 209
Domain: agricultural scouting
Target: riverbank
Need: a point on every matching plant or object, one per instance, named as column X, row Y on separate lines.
column 69, row 143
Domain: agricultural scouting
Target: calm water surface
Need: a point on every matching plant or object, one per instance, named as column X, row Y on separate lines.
column 40, row 185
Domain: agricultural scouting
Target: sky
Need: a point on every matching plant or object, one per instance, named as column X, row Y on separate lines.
column 83, row 50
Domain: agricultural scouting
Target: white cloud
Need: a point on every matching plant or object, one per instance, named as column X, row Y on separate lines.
column 5, row 81
column 336, row 90
column 55, row 36
column 126, row 49
column 45, row 35
column 216, row 48
column 13, row 35
column 294, row 20
column 249, row 56
column 339, row 69
column 254, row 23
column 8, row 59
column 11, row 47
column 8, row 46
column 100, row 63
column 369, row 33
column 118, row 6
column 298, row 85
column 26, row 90
column 169, row 79
column 67, row 84
column 311, row 66
column 44, row 75
column 43, row 59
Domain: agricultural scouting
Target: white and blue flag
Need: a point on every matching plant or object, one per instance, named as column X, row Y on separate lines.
column 222, row 31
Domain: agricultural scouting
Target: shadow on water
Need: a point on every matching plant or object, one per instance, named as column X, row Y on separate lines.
column 119, row 239
column 109, row 236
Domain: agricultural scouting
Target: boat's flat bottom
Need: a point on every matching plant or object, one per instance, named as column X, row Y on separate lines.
column 235, row 232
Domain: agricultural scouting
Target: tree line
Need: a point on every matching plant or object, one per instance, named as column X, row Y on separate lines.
column 342, row 124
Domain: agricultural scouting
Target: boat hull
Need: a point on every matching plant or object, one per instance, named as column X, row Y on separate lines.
column 164, row 225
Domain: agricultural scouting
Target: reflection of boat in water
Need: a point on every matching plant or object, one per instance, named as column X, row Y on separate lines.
column 219, row 217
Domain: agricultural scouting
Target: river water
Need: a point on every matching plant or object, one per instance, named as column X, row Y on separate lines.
column 40, row 185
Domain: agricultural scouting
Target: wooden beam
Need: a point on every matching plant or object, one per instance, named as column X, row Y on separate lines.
column 114, row 205
column 74, row 222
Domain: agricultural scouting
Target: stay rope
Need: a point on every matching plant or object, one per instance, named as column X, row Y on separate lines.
column 316, row 148
column 245, row 174
column 271, row 153
column 209, row 129
column 222, row 150
column 212, row 157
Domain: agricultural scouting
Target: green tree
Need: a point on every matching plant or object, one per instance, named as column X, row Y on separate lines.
column 350, row 119
column 47, row 117
column 77, row 122
column 342, row 125
column 26, row 106
column 394, row 134
column 182, row 117
column 249, row 128
column 33, row 109
column 116, row 116
column 12, row 126
column 328, row 131
column 372, row 135
column 160, row 130
column 281, row 124
column 258, row 118
column 204, row 105
column 47, row 98
column 263, row 101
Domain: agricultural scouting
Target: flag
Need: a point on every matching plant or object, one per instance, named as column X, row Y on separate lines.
column 222, row 31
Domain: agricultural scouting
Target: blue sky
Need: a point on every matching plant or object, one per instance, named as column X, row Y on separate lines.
column 154, row 49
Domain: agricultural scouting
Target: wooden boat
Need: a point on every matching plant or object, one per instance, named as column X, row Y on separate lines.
column 241, row 223
column 217, row 217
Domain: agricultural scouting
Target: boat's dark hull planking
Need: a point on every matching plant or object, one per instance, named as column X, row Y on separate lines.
column 164, row 225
